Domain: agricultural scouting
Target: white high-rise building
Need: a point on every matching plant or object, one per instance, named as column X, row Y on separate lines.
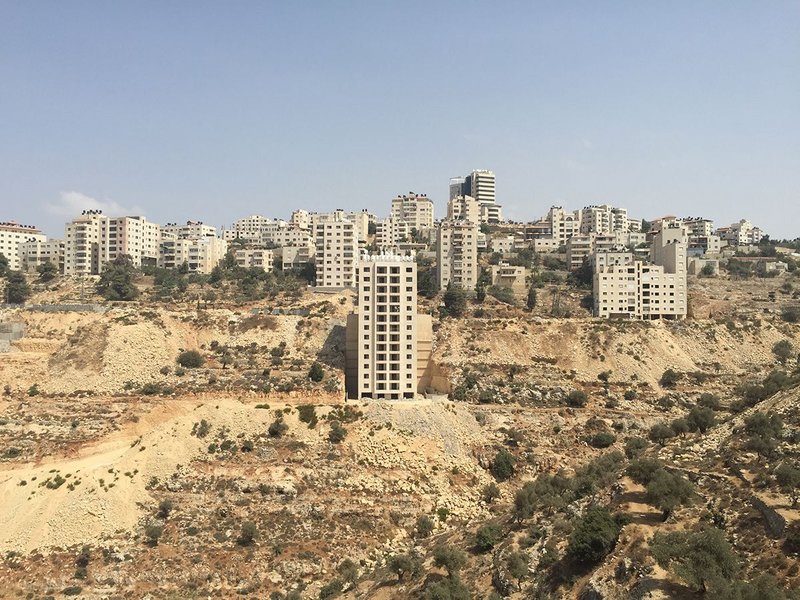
column 457, row 254
column 12, row 234
column 604, row 219
column 86, row 244
column 301, row 219
column 743, row 233
column 479, row 185
column 336, row 240
column 387, row 327
column 414, row 209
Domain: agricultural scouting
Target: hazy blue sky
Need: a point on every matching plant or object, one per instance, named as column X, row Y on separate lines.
column 217, row 110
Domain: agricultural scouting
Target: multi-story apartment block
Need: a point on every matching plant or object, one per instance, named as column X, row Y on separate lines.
column 280, row 233
column 336, row 240
column 258, row 258
column 581, row 247
column 360, row 220
column 86, row 244
column 391, row 232
column 12, row 234
column 699, row 227
column 93, row 239
column 605, row 219
column 192, row 229
column 464, row 208
column 200, row 254
column 385, row 328
column 414, row 209
column 301, row 219
column 563, row 224
column 35, row 252
column 457, row 254
column 628, row 288
column 296, row 257
column 743, row 233
column 135, row 237
column 481, row 186
column 247, row 229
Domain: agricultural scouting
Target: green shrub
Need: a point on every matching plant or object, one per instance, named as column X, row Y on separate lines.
column 576, row 399
column 487, row 537
column 331, row 589
column 165, row 508
column 450, row 558
column 316, row 373
column 490, row 493
column 424, row 526
column 670, row 378
column 503, row 465
column 594, row 536
column 151, row 389
column 153, row 532
column 308, row 414
column 602, row 440
column 337, row 432
column 190, row 359
column 634, row 446
column 277, row 428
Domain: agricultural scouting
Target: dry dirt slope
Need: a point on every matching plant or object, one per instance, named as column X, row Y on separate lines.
column 629, row 350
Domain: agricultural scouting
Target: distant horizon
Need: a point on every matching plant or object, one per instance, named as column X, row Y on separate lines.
column 211, row 112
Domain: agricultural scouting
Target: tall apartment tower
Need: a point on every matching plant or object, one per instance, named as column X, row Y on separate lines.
column 457, row 254
column 336, row 243
column 414, row 209
column 86, row 244
column 387, row 327
column 481, row 186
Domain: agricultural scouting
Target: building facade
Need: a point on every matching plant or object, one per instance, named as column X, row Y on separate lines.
column 12, row 234
column 34, row 252
column 481, row 186
column 414, row 209
column 390, row 233
column 457, row 254
column 200, row 254
column 387, row 327
column 625, row 287
column 255, row 258
column 336, row 245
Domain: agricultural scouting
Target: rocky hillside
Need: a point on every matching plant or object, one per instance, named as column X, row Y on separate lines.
column 575, row 458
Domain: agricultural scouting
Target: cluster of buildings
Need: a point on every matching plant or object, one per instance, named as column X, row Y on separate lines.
column 639, row 269
column 660, row 253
